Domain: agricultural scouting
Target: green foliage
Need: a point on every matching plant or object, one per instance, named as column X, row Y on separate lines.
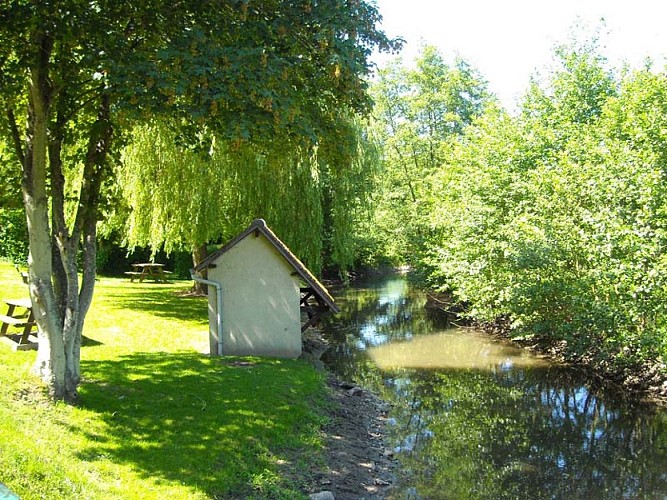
column 233, row 64
column 168, row 189
column 313, row 197
column 349, row 161
column 417, row 112
column 10, row 189
column 280, row 184
column 555, row 219
column 13, row 235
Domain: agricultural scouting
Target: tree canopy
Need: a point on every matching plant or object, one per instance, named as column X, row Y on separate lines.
column 418, row 111
column 75, row 75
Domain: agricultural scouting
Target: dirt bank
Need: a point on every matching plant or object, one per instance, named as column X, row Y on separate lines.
column 358, row 463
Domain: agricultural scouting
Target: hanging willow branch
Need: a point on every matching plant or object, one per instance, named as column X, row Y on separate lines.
column 311, row 196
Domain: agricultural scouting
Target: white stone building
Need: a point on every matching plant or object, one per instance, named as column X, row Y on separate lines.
column 257, row 291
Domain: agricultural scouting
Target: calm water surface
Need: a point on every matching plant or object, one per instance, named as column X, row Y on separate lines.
column 477, row 418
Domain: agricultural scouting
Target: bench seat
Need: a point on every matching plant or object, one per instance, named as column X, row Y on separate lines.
column 19, row 342
column 15, row 321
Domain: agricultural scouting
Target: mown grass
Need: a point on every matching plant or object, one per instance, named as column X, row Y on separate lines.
column 157, row 419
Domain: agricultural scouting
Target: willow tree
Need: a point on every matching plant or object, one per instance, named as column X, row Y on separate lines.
column 349, row 159
column 184, row 197
column 310, row 191
column 74, row 72
column 176, row 195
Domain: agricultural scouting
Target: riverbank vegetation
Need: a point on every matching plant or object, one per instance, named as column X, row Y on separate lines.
column 551, row 222
column 158, row 419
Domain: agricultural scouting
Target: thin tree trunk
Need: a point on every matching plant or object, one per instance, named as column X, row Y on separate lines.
column 65, row 270
column 50, row 356
column 199, row 254
column 79, row 298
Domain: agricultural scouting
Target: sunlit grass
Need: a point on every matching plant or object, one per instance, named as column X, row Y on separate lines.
column 158, row 419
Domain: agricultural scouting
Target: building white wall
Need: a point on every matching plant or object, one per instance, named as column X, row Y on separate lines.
column 260, row 301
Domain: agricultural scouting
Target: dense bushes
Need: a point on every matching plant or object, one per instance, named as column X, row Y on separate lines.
column 13, row 235
column 557, row 219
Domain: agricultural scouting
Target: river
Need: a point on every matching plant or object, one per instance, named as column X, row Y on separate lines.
column 473, row 417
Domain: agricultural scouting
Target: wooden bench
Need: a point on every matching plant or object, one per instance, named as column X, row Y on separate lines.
column 24, row 339
column 134, row 274
column 148, row 270
column 13, row 321
column 20, row 341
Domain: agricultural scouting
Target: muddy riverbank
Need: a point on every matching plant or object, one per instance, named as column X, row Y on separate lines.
column 358, row 462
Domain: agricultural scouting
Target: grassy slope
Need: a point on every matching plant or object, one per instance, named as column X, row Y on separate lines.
column 157, row 419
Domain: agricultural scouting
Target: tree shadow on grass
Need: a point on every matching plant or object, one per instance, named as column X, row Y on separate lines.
column 199, row 421
column 164, row 302
column 88, row 342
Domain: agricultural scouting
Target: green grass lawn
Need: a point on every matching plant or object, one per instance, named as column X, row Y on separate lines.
column 158, row 418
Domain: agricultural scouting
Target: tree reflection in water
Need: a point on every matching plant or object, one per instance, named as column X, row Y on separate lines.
column 499, row 427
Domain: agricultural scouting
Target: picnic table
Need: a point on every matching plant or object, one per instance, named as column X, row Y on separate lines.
column 19, row 316
column 150, row 270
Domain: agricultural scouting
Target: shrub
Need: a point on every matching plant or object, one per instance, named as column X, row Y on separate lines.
column 561, row 227
column 13, row 235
